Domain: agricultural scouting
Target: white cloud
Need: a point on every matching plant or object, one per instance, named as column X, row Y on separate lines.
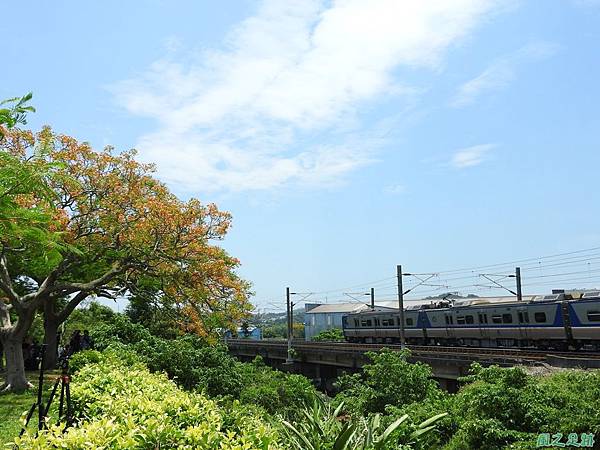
column 501, row 72
column 470, row 156
column 247, row 116
column 395, row 189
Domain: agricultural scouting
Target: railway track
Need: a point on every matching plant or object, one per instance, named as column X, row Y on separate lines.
column 423, row 350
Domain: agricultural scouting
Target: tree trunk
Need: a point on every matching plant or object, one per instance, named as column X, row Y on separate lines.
column 15, row 367
column 51, row 324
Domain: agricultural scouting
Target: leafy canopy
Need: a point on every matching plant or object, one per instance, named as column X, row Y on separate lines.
column 115, row 228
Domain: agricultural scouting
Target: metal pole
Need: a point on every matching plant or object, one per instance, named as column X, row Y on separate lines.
column 401, row 304
column 373, row 299
column 289, row 325
column 292, row 320
column 519, row 290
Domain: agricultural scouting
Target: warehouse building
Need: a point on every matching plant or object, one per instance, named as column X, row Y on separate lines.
column 320, row 317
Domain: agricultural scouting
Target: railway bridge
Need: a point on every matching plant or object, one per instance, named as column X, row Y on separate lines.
column 324, row 361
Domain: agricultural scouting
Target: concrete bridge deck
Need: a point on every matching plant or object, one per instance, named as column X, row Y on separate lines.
column 326, row 360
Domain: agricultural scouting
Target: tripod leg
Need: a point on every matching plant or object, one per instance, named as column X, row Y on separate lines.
column 69, row 405
column 29, row 416
column 62, row 402
column 52, row 394
column 41, row 389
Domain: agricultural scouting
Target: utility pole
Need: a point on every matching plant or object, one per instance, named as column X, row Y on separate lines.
column 292, row 304
column 401, row 304
column 519, row 290
column 373, row 299
column 289, row 325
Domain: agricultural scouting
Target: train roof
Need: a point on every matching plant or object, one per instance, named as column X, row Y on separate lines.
column 438, row 304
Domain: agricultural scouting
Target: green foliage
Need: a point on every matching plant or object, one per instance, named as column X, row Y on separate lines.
column 197, row 366
column 279, row 331
column 81, row 359
column 275, row 331
column 333, row 334
column 505, row 406
column 89, row 317
column 121, row 330
column 436, row 402
column 276, row 392
column 388, row 380
column 126, row 407
column 149, row 308
column 321, row 427
column 14, row 111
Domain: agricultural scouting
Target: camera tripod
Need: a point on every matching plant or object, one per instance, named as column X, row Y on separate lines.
column 65, row 396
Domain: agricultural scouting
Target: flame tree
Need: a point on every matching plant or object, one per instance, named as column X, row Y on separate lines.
column 76, row 223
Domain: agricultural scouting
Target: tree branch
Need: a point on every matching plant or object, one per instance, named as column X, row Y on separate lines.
column 46, row 286
column 71, row 305
column 70, row 288
column 6, row 283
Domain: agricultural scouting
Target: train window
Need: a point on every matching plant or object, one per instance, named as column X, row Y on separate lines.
column 496, row 319
column 447, row 319
column 376, row 322
column 593, row 316
column 365, row 323
column 355, row 322
column 409, row 321
column 460, row 320
column 507, row 318
column 469, row 319
column 540, row 317
column 483, row 318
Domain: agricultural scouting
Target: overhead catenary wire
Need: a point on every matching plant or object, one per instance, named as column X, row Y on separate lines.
column 584, row 259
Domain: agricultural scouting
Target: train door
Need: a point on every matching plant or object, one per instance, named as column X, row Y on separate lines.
column 449, row 322
column 484, row 334
column 523, row 324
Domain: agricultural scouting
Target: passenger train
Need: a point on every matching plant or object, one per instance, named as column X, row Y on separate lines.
column 564, row 321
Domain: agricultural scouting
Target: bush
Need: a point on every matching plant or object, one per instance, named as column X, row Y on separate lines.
column 505, row 406
column 127, row 407
column 276, row 392
column 388, row 380
column 210, row 369
column 334, row 334
column 81, row 359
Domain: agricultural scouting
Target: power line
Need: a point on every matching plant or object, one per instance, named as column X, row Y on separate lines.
column 470, row 269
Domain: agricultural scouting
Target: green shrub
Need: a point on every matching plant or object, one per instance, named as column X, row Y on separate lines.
column 276, row 392
column 81, row 359
column 502, row 407
column 126, row 407
column 322, row 427
column 209, row 369
column 388, row 380
column 333, row 334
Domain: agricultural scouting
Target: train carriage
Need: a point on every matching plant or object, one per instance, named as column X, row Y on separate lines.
column 556, row 321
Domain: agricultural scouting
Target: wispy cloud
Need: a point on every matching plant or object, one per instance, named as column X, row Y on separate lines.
column 501, row 72
column 395, row 189
column 267, row 108
column 471, row 156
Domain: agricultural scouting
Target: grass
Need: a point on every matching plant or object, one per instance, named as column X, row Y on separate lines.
column 14, row 406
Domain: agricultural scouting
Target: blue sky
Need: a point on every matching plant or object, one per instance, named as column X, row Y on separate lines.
column 345, row 137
